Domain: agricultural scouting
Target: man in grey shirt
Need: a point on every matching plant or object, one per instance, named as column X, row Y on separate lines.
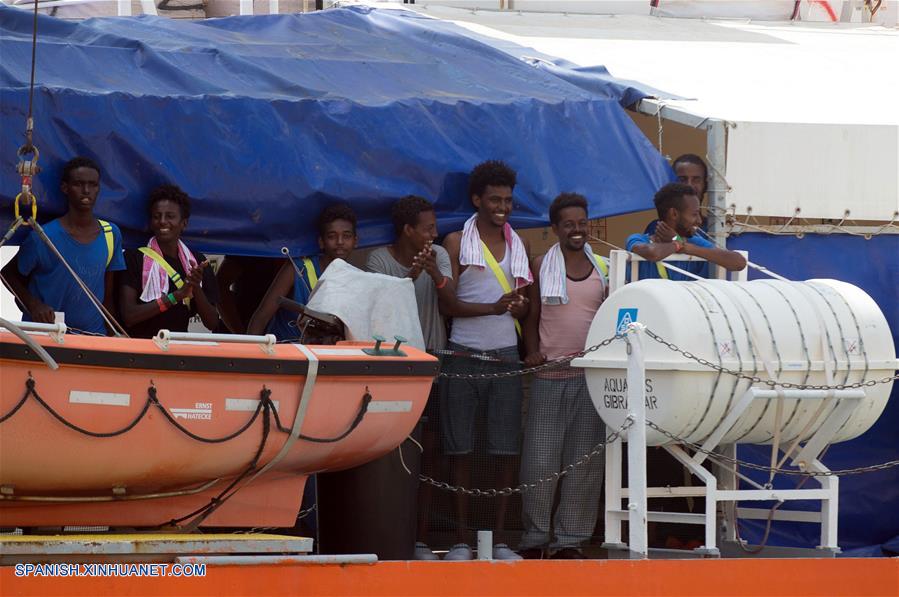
column 413, row 255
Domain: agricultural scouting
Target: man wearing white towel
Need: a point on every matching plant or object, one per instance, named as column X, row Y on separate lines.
column 562, row 424
column 490, row 265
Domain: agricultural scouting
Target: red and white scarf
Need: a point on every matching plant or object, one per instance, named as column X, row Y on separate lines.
column 154, row 280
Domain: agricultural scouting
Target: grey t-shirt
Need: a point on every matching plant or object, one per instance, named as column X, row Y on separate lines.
column 432, row 325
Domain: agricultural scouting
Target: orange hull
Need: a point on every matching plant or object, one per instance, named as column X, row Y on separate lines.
column 869, row 577
column 54, row 475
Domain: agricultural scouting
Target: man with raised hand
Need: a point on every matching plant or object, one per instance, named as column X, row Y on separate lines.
column 414, row 255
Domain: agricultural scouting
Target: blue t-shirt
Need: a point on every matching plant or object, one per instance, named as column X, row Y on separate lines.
column 649, row 269
column 651, row 227
column 52, row 283
column 283, row 324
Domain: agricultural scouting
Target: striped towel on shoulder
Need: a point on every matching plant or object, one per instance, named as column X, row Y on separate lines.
column 470, row 252
column 553, row 280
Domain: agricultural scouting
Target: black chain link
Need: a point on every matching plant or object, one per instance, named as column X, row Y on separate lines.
column 717, row 456
column 596, row 451
column 771, row 383
column 554, row 364
column 507, row 491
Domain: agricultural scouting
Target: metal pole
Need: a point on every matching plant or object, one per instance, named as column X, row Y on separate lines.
column 716, row 152
column 636, row 442
column 340, row 559
column 29, row 341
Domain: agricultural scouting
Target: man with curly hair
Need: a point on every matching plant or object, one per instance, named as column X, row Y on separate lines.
column 165, row 283
column 490, row 266
column 414, row 255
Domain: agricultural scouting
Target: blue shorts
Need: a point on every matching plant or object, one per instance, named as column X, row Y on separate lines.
column 459, row 400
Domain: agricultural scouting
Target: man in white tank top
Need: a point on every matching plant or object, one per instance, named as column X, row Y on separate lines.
column 562, row 424
column 484, row 324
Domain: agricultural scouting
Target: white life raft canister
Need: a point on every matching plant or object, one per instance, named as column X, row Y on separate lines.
column 818, row 332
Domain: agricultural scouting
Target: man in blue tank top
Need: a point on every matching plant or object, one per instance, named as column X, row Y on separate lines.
column 92, row 247
column 490, row 264
column 679, row 217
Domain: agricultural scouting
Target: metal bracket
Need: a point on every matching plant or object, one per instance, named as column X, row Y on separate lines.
column 377, row 351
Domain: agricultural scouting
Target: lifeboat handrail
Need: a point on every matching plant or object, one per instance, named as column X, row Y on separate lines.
column 22, row 335
column 164, row 337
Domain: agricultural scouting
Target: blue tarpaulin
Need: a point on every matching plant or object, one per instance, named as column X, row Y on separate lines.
column 265, row 120
column 869, row 502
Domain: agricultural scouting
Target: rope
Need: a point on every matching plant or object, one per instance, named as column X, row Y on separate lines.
column 736, row 227
column 114, row 325
column 202, row 513
column 360, row 414
column 152, row 398
column 673, row 268
column 29, row 384
column 29, row 123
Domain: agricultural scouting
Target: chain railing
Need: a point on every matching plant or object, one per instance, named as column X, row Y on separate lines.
column 712, row 455
column 553, row 364
column 719, row 458
column 521, row 488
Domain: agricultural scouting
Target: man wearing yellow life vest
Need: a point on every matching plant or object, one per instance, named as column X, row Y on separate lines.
column 165, row 284
column 92, row 247
column 336, row 239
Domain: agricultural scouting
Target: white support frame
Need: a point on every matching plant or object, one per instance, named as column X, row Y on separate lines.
column 619, row 260
column 722, row 490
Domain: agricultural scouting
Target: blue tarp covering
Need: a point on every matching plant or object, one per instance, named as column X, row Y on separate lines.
column 265, row 120
column 869, row 503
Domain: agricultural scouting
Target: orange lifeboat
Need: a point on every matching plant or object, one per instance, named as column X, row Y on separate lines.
column 179, row 431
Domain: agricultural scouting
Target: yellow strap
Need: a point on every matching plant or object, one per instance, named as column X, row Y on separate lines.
column 663, row 271
column 175, row 276
column 504, row 282
column 110, row 241
column 310, row 272
column 603, row 266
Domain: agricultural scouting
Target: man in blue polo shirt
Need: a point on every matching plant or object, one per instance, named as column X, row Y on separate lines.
column 679, row 216
column 92, row 247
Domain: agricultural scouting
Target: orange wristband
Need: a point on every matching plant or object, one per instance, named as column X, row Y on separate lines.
column 443, row 282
